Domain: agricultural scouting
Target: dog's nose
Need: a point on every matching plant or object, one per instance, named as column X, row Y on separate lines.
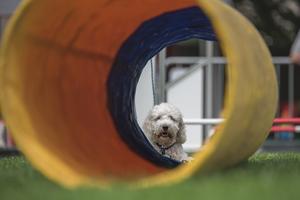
column 165, row 127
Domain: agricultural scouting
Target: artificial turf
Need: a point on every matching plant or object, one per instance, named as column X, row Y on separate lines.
column 264, row 176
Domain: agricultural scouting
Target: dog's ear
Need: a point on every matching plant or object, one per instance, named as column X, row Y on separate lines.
column 181, row 133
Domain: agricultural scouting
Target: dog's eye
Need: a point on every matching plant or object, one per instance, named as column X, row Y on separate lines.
column 157, row 118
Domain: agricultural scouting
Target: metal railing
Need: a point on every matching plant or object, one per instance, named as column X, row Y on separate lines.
column 209, row 62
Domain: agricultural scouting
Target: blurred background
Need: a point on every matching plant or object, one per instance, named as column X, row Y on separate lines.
column 198, row 90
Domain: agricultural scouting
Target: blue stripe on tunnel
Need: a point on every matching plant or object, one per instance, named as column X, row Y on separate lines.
column 152, row 36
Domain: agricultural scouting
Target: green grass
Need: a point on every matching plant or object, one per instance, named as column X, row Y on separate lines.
column 264, row 176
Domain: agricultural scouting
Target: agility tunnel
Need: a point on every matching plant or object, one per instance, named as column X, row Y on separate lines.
column 69, row 71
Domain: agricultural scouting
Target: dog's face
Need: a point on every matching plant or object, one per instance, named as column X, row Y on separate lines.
column 164, row 125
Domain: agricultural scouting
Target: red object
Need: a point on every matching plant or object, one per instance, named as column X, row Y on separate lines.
column 283, row 128
column 286, row 121
column 11, row 143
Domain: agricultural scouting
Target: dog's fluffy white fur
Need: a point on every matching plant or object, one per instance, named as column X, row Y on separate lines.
column 164, row 127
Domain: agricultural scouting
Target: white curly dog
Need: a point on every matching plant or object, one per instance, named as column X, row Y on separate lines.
column 165, row 130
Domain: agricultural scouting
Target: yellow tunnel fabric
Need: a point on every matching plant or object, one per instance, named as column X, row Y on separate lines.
column 56, row 59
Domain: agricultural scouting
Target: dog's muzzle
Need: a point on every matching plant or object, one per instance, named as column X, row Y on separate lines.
column 164, row 134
